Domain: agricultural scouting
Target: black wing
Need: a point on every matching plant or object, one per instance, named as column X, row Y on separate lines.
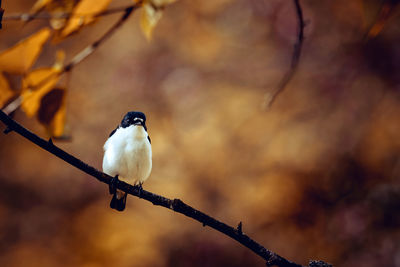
column 113, row 132
column 148, row 137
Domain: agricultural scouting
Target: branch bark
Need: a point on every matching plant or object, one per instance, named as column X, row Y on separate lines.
column 270, row 98
column 176, row 205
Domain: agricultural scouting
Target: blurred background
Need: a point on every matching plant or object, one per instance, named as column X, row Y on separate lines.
column 314, row 177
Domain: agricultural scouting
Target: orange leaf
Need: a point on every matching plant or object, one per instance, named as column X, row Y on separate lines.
column 83, row 14
column 57, row 125
column 50, row 103
column 39, row 5
column 60, row 57
column 52, row 112
column 34, row 86
column 58, row 9
column 57, row 22
column 19, row 58
column 5, row 91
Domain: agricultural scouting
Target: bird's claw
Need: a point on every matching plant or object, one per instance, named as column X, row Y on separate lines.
column 140, row 188
column 112, row 187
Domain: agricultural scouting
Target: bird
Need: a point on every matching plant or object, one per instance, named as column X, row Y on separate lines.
column 127, row 156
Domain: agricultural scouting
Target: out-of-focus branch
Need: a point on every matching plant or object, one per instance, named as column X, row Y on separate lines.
column 90, row 49
column 87, row 51
column 177, row 205
column 1, row 15
column 386, row 10
column 271, row 97
column 24, row 17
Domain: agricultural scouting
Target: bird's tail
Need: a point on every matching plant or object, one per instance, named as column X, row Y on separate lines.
column 118, row 200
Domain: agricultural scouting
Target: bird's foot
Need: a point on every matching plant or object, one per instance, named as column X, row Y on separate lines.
column 112, row 187
column 140, row 188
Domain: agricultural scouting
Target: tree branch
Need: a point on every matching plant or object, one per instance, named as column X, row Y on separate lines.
column 91, row 48
column 62, row 15
column 176, row 205
column 270, row 98
column 84, row 53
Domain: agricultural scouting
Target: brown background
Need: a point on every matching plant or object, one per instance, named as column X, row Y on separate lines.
column 315, row 177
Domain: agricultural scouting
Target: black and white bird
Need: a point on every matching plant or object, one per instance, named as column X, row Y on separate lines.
column 127, row 155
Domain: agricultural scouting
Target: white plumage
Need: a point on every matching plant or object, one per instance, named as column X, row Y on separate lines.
column 127, row 153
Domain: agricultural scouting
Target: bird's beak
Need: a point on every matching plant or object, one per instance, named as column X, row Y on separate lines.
column 138, row 121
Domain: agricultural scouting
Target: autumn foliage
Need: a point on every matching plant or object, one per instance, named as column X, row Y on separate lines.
column 40, row 94
column 316, row 176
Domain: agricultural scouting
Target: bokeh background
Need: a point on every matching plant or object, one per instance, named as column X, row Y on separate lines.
column 314, row 177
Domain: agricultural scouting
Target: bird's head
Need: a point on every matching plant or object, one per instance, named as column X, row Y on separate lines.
column 134, row 118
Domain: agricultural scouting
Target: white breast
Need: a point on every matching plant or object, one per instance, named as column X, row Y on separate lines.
column 127, row 153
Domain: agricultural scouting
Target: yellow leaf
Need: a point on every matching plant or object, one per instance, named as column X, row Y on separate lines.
column 19, row 58
column 34, row 86
column 150, row 16
column 58, row 9
column 60, row 57
column 57, row 22
column 5, row 91
column 50, row 103
column 162, row 3
column 83, row 14
column 57, row 125
column 39, row 5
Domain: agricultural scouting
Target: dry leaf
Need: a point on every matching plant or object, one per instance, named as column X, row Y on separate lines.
column 58, row 10
column 52, row 111
column 5, row 91
column 83, row 14
column 40, row 97
column 150, row 16
column 162, row 3
column 19, row 58
column 39, row 5
column 57, row 21
column 57, row 125
column 60, row 57
column 34, row 86
column 50, row 103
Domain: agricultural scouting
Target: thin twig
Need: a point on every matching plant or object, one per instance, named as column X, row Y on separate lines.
column 62, row 15
column 13, row 105
column 271, row 97
column 176, row 205
column 84, row 53
column 90, row 49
